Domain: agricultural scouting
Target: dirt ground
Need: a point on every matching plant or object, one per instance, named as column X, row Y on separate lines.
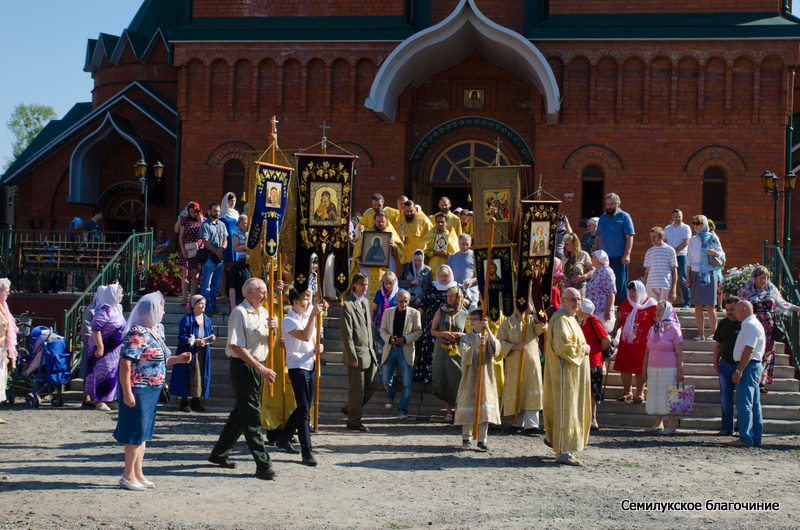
column 59, row 469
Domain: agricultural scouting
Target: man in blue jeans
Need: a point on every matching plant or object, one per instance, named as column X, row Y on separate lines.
column 748, row 352
column 615, row 236
column 725, row 338
column 215, row 239
column 677, row 235
column 400, row 328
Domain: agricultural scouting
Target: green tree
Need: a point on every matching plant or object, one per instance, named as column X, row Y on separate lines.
column 25, row 123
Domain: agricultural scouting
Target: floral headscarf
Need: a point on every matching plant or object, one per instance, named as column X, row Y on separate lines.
column 669, row 318
column 753, row 295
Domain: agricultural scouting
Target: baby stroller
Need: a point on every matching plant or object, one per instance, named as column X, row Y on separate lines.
column 43, row 371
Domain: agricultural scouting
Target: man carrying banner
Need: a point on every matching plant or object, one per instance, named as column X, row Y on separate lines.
column 453, row 221
column 398, row 250
column 412, row 226
column 440, row 242
column 526, row 403
column 566, row 404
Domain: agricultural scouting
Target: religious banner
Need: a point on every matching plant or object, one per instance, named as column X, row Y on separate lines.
column 269, row 204
column 501, row 279
column 323, row 215
column 536, row 250
column 495, row 193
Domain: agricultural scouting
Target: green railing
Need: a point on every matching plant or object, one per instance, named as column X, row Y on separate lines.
column 129, row 267
column 40, row 261
column 786, row 284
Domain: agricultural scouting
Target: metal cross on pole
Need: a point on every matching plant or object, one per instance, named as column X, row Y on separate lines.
column 324, row 128
column 497, row 142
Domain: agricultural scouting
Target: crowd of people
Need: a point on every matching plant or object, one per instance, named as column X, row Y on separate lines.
column 422, row 318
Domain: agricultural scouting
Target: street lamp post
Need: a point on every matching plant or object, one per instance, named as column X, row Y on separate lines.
column 770, row 183
column 146, row 181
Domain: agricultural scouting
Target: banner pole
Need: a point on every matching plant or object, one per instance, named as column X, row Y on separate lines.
column 521, row 363
column 283, row 354
column 479, row 383
column 320, row 277
column 270, row 293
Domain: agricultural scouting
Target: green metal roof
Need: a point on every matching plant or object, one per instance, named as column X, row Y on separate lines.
column 664, row 26
column 50, row 131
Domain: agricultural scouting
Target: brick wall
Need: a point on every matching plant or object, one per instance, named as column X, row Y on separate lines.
column 296, row 8
column 581, row 7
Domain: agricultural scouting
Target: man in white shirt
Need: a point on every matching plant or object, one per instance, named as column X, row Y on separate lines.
column 677, row 235
column 661, row 268
column 747, row 353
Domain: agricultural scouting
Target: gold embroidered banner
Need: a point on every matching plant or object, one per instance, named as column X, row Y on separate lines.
column 536, row 250
column 501, row 279
column 495, row 193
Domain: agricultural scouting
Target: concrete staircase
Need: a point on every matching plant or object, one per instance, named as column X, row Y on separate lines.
column 781, row 406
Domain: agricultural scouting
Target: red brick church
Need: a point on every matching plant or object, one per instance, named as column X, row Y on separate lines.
column 668, row 103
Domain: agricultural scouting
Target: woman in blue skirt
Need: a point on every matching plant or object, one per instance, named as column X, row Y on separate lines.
column 142, row 367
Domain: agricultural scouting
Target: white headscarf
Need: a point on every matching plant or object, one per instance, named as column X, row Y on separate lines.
column 593, row 221
column 413, row 266
column 602, row 257
column 108, row 295
column 148, row 312
column 441, row 286
column 587, row 306
column 225, row 210
column 641, row 302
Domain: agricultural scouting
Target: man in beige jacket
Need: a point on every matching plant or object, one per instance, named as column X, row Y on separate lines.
column 400, row 328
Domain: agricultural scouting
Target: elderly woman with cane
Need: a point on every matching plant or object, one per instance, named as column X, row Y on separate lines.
column 142, row 368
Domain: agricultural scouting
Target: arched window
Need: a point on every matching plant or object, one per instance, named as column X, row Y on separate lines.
column 714, row 194
column 592, row 184
column 451, row 166
column 233, row 177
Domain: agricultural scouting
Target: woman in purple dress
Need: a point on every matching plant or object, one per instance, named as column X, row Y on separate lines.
column 107, row 331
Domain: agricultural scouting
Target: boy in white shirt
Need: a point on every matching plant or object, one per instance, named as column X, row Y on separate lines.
column 661, row 268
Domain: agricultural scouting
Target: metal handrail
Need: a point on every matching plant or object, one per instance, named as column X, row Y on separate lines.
column 129, row 267
column 786, row 284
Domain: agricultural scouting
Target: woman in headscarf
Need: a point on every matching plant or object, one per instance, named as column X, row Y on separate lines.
column 637, row 314
column 75, row 230
column 195, row 335
column 384, row 298
column 230, row 218
column 86, row 335
column 602, row 289
column 447, row 328
column 8, row 337
column 142, row 367
column 415, row 276
column 702, row 274
column 767, row 305
column 587, row 242
column 435, row 296
column 663, row 365
column 559, row 283
column 189, row 234
column 103, row 351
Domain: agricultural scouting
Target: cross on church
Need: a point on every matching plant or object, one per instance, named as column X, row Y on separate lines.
column 324, row 128
column 497, row 142
column 274, row 133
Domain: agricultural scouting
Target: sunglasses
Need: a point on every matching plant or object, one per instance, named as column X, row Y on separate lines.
column 696, row 223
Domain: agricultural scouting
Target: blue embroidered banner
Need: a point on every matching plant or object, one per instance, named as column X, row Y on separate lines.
column 272, row 191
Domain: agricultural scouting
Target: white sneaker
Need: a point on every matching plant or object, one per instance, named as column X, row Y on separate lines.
column 128, row 485
column 388, row 406
column 402, row 416
column 102, row 407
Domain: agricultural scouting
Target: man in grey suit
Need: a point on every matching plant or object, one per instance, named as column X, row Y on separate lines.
column 359, row 353
column 400, row 328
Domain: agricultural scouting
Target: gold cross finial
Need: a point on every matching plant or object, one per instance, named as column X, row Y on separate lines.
column 324, row 128
column 497, row 142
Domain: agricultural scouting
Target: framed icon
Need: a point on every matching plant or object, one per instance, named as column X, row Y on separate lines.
column 375, row 249
column 497, row 204
column 494, row 271
column 274, row 194
column 326, row 202
column 540, row 238
column 474, row 99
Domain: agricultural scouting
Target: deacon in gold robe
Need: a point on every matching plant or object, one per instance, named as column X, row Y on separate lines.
column 412, row 226
column 489, row 410
column 367, row 221
column 466, row 222
column 397, row 249
column 497, row 362
column 567, row 393
column 513, row 346
column 453, row 221
column 439, row 243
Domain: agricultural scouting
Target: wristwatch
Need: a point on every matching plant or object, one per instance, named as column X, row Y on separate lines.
column 738, row 372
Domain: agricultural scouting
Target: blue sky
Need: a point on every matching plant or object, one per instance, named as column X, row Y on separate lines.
column 43, row 45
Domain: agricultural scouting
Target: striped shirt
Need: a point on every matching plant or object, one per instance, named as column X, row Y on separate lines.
column 659, row 260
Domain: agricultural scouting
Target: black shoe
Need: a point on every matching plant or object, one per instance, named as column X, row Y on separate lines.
column 87, row 405
column 309, row 460
column 287, row 446
column 532, row 432
column 184, row 406
column 594, row 428
column 360, row 428
column 197, row 406
column 266, row 473
column 221, row 462
column 547, row 442
column 513, row 430
column 272, row 436
column 482, row 447
column 344, row 411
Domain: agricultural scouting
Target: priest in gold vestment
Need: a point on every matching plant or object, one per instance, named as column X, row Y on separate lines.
column 567, row 393
column 412, row 226
column 439, row 243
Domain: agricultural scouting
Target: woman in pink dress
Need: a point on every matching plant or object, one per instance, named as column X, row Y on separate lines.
column 636, row 315
column 663, row 365
column 189, row 232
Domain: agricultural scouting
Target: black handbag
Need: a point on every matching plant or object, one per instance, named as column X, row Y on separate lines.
column 608, row 353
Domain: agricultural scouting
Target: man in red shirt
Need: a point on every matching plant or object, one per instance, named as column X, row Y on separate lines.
column 598, row 340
